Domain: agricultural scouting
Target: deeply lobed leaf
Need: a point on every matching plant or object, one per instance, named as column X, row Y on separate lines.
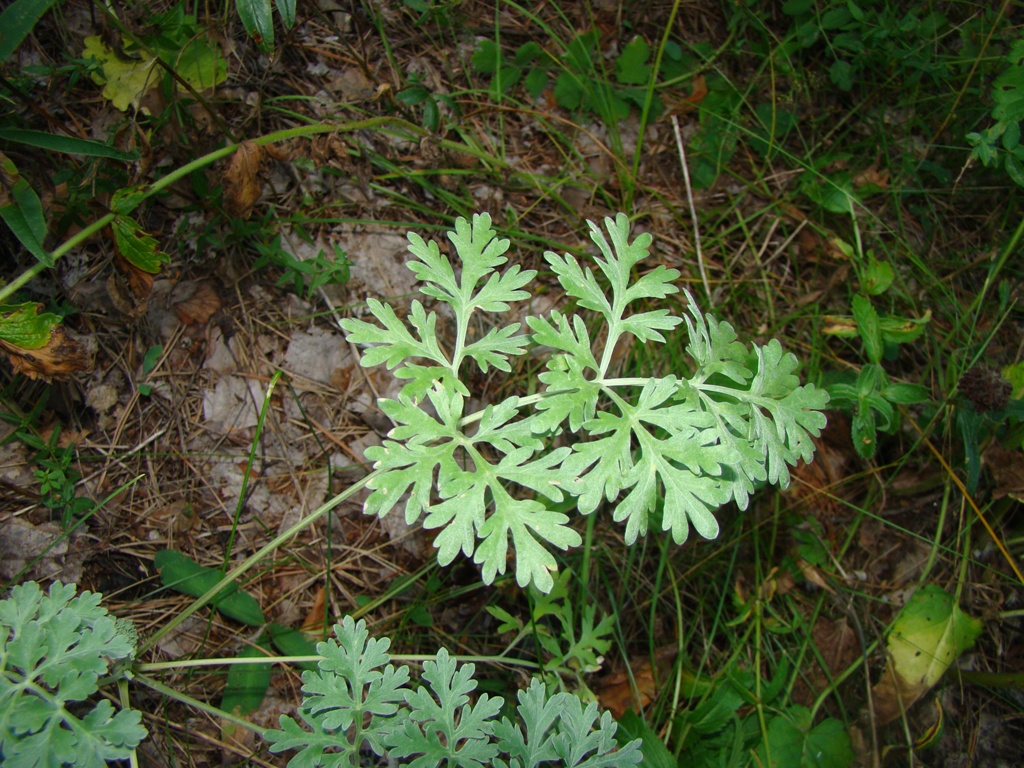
column 669, row 448
column 55, row 647
column 438, row 723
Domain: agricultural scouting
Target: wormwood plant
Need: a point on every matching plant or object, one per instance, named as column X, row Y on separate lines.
column 664, row 450
column 358, row 696
column 54, row 648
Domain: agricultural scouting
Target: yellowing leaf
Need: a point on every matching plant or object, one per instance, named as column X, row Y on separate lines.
column 23, row 326
column 36, row 344
column 124, row 82
column 928, row 635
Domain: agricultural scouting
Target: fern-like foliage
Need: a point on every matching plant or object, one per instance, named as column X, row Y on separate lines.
column 55, row 647
column 358, row 697
column 679, row 446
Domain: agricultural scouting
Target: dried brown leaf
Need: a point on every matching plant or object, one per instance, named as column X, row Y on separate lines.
column 328, row 149
column 873, row 177
column 681, row 105
column 838, row 647
column 121, row 297
column 60, row 358
column 242, row 185
column 316, row 619
column 617, row 692
column 140, row 282
column 198, row 308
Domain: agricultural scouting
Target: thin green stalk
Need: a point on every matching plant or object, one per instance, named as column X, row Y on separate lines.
column 1011, row 248
column 248, row 467
column 184, row 171
column 255, row 558
column 407, row 658
column 170, row 693
column 933, row 554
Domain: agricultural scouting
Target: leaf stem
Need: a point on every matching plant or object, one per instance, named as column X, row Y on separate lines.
column 246, row 564
column 171, row 693
column 409, row 658
column 201, row 162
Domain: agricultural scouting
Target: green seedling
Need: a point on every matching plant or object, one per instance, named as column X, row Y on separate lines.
column 149, row 363
column 576, row 78
column 864, row 38
column 571, row 641
column 56, row 476
column 872, row 397
column 304, row 276
column 418, row 95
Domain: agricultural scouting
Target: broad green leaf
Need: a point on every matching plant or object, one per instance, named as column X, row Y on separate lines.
column 23, row 226
column 257, row 18
column 292, row 642
column 792, row 742
column 900, row 330
column 287, row 10
column 1014, row 169
column 17, row 22
column 22, row 210
column 248, row 683
column 487, row 57
column 1008, row 88
column 878, row 276
column 656, row 754
column 71, row 145
column 183, row 574
column 200, row 64
column 833, row 193
column 905, row 394
column 22, row 325
column 841, row 73
column 127, row 199
column 631, row 68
